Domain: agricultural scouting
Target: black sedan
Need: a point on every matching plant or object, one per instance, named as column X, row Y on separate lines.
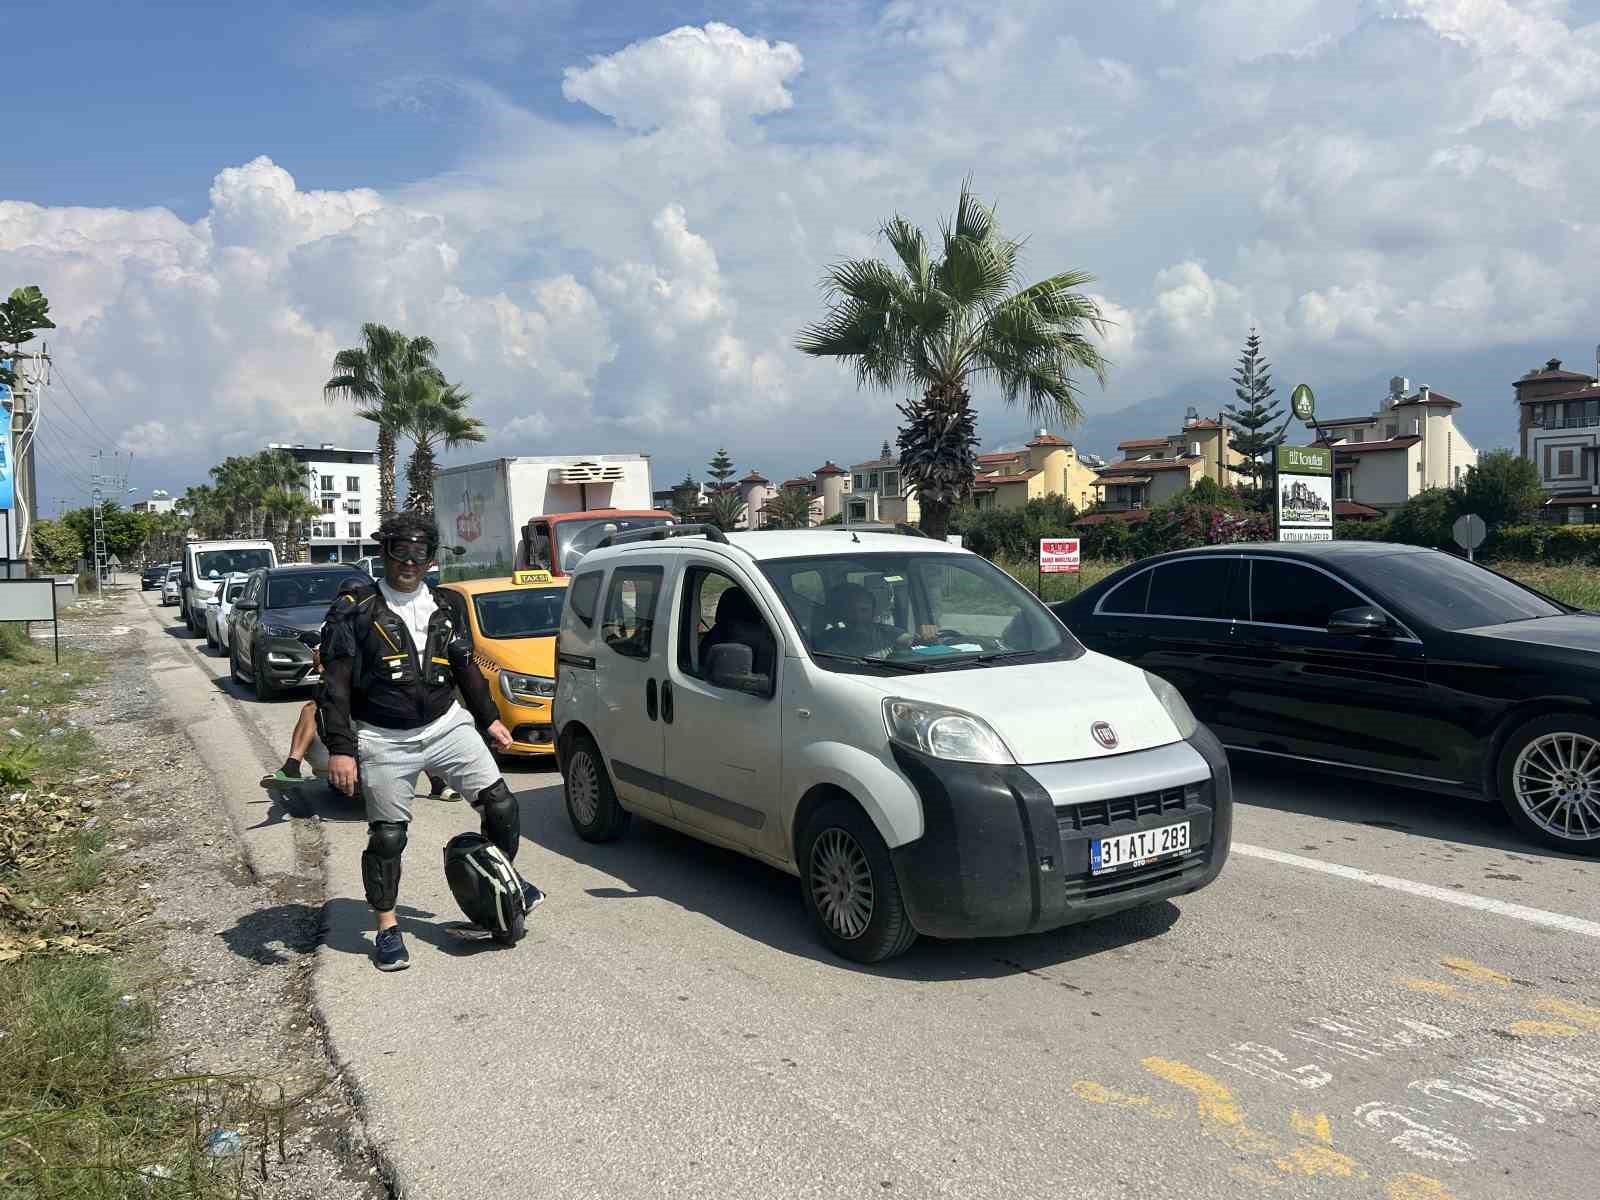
column 277, row 624
column 1390, row 662
column 154, row 576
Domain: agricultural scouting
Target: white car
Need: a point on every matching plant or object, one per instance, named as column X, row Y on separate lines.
column 892, row 719
column 220, row 608
column 172, row 588
column 206, row 564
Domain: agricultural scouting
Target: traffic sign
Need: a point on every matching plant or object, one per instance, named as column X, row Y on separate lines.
column 1469, row 532
column 1303, row 403
column 1058, row 556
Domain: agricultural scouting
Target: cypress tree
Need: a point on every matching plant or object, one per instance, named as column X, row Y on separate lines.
column 1251, row 421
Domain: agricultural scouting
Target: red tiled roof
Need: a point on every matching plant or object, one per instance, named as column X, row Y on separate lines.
column 1137, row 467
column 1049, row 439
column 1433, row 398
column 1203, row 423
column 1353, row 508
column 996, row 480
column 755, row 477
column 1115, row 479
column 1583, row 393
column 1346, row 420
column 1399, row 443
column 1553, row 373
column 1131, row 515
column 1002, row 456
column 807, row 484
column 1142, row 442
column 829, row 468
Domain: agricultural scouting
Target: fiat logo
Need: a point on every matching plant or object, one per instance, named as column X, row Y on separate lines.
column 1104, row 734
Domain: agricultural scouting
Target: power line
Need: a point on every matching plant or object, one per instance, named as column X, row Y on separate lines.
column 110, row 441
column 89, row 439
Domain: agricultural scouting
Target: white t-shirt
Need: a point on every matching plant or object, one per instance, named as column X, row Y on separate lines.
column 416, row 609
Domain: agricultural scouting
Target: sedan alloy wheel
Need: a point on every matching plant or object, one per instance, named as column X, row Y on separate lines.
column 1556, row 782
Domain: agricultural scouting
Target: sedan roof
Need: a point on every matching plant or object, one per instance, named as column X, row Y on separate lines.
column 1312, row 550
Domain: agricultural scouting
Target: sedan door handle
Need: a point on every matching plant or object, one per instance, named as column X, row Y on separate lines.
column 650, row 699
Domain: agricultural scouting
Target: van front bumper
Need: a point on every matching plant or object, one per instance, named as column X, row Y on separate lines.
column 1005, row 849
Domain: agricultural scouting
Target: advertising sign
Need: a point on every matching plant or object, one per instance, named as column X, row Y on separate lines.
column 5, row 456
column 1305, row 494
column 1058, row 556
column 1303, row 403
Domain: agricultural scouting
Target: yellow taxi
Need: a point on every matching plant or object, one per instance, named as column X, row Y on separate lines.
column 514, row 624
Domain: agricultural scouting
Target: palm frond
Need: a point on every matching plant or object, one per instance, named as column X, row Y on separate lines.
column 910, row 247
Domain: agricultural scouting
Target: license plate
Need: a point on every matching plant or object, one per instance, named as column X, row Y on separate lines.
column 1138, row 849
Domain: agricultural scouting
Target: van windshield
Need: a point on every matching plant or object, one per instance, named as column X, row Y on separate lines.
column 214, row 564
column 915, row 612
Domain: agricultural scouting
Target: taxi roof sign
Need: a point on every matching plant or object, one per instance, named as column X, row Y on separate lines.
column 525, row 577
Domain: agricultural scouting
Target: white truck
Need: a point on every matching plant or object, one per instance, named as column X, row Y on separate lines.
column 547, row 506
column 207, row 564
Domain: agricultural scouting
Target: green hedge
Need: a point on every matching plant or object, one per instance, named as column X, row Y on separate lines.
column 1546, row 543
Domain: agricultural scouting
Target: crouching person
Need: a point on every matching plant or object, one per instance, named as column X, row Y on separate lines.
column 393, row 657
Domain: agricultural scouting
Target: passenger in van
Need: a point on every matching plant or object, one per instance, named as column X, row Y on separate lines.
column 739, row 622
column 850, row 624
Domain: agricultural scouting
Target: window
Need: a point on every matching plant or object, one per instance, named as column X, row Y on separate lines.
column 891, row 483
column 327, row 483
column 861, row 483
column 327, row 504
column 1451, row 593
column 520, row 613
column 717, row 611
column 858, row 510
column 1564, row 463
column 1128, row 597
column 1342, row 484
column 1193, row 588
column 217, row 564
column 1286, row 593
column 631, row 610
column 300, row 589
column 872, row 481
column 355, row 529
column 583, row 594
column 352, row 506
column 352, row 483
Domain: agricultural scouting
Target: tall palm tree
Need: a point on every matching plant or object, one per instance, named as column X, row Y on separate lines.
column 789, row 509
column 374, row 375
column 290, row 508
column 433, row 416
column 940, row 323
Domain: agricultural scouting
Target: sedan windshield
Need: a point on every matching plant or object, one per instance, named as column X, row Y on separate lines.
column 524, row 613
column 574, row 539
column 304, row 587
column 1451, row 593
column 914, row 612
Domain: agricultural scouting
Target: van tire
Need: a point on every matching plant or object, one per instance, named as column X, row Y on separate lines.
column 840, row 847
column 592, row 805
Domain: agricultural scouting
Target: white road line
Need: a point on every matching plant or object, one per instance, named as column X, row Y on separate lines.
column 1518, row 912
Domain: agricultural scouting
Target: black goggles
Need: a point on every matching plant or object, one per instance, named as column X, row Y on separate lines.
column 409, row 550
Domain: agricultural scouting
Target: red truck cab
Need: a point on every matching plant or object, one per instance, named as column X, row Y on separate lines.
column 555, row 542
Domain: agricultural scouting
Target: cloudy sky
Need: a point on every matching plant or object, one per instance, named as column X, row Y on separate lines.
column 612, row 217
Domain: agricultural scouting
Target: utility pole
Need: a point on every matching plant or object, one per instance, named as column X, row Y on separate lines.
column 33, row 373
column 117, row 485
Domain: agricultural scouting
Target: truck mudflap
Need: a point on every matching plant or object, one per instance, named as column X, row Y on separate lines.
column 999, row 857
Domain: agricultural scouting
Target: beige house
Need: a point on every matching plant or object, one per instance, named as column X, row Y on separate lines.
column 1559, row 425
column 877, row 493
column 1047, row 466
column 1409, row 445
column 1154, row 470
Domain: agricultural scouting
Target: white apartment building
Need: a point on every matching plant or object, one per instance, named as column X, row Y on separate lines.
column 1409, row 445
column 157, row 502
column 344, row 484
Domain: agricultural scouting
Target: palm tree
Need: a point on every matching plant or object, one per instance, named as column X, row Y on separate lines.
column 938, row 324
column 374, row 376
column 725, row 509
column 290, row 508
column 433, row 415
column 789, row 509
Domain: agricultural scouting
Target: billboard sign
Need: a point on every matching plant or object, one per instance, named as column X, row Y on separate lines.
column 1305, row 493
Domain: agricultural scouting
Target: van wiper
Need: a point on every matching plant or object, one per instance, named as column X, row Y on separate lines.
column 858, row 660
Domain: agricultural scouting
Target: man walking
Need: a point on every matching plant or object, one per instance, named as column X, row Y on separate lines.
column 393, row 658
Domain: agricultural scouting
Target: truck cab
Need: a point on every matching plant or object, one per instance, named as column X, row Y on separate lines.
column 557, row 542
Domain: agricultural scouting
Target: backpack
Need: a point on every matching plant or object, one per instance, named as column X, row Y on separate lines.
column 486, row 886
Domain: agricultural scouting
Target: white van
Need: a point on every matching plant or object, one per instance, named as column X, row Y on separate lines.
column 892, row 719
column 207, row 564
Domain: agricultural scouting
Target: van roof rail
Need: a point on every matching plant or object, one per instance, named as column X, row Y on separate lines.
column 660, row 533
column 879, row 527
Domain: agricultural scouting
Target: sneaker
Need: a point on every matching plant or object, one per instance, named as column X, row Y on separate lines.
column 532, row 897
column 392, row 954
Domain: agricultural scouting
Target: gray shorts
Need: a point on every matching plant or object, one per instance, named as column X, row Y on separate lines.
column 389, row 767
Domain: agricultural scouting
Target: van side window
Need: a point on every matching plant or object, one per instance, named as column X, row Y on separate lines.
column 631, row 610
column 584, row 594
column 717, row 610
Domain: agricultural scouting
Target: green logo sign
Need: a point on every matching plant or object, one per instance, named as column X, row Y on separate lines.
column 1303, row 402
column 1305, row 460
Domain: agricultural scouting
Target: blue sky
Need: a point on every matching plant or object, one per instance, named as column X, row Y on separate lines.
column 612, row 217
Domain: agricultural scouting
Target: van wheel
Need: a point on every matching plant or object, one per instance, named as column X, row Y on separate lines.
column 592, row 805
column 1549, row 781
column 849, row 886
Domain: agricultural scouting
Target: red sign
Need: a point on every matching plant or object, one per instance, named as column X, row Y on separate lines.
column 1058, row 556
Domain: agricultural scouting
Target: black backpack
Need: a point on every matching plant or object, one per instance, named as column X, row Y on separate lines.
column 486, row 886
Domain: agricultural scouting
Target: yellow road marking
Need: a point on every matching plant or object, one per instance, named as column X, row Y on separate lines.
column 1543, row 1029
column 1578, row 1014
column 1212, row 1096
column 1096, row 1093
column 1416, row 1187
column 1476, row 972
column 1313, row 1161
column 1433, row 987
column 1313, row 1125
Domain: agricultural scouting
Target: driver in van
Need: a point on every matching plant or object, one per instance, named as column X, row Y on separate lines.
column 852, row 626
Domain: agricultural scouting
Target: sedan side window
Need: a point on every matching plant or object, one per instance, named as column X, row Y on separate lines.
column 1286, row 593
column 1128, row 597
column 1196, row 588
column 631, row 610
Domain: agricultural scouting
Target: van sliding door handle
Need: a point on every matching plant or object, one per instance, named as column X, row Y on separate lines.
column 650, row 699
column 666, row 701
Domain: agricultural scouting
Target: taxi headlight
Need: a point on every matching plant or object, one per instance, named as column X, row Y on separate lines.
column 941, row 732
column 526, row 689
column 1177, row 707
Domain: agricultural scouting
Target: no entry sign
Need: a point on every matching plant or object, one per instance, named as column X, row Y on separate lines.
column 1058, row 556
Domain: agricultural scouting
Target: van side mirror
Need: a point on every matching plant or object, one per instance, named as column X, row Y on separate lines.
column 731, row 665
column 1361, row 621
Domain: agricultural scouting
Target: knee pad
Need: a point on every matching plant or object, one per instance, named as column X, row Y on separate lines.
column 502, row 818
column 380, row 863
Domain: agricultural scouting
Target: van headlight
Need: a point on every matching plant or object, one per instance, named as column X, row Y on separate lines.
column 526, row 689
column 943, row 732
column 1177, row 707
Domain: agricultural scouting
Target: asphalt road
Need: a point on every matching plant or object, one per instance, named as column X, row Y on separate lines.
column 1385, row 994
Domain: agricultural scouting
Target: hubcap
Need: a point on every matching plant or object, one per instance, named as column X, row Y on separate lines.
column 841, row 884
column 583, row 788
column 1557, row 784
